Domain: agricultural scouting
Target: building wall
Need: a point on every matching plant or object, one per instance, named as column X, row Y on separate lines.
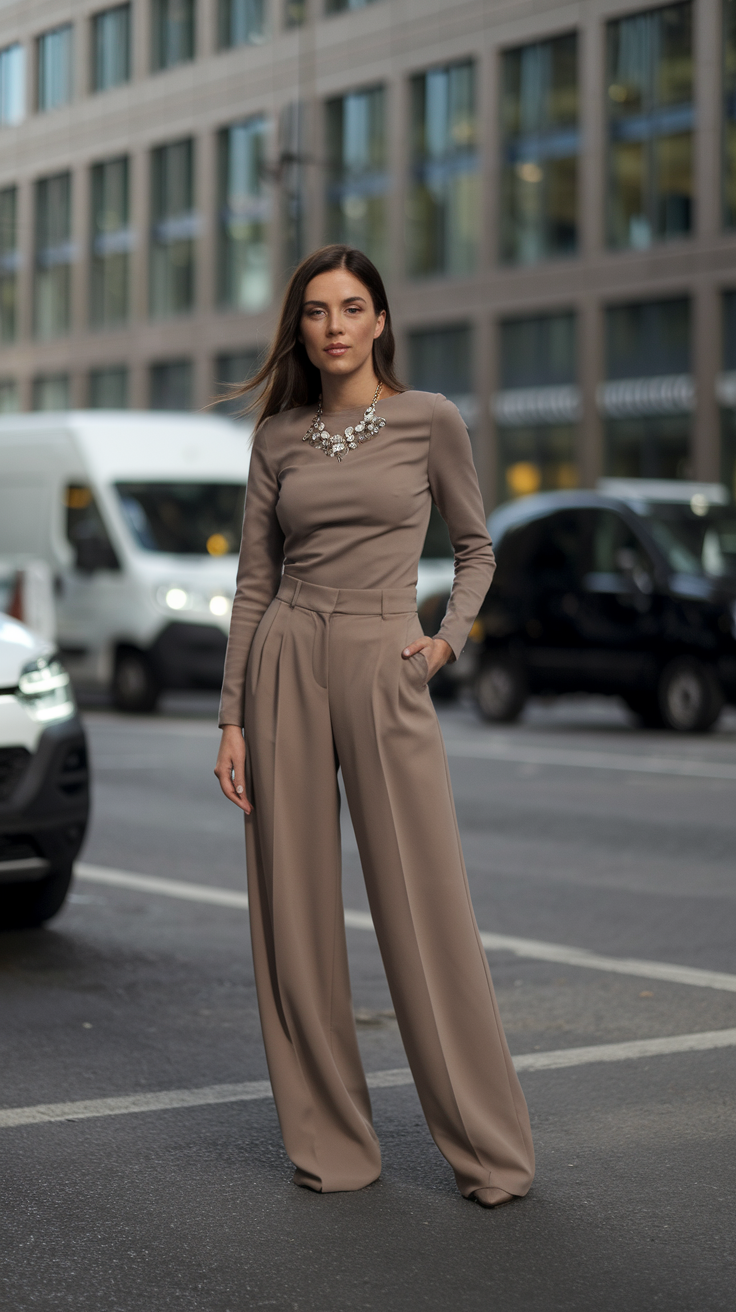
column 382, row 43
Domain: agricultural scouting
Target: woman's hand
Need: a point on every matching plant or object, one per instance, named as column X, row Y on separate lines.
column 436, row 651
column 230, row 766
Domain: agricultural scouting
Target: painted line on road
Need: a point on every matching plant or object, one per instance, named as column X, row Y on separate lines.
column 257, row 1090
column 583, row 760
column 530, row 949
column 179, row 888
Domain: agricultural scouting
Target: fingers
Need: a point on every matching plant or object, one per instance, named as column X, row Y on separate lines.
column 230, row 771
column 420, row 645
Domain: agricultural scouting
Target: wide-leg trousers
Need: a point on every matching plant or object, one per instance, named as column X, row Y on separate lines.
column 327, row 687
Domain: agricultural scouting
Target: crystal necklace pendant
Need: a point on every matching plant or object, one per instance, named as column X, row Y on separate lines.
column 337, row 444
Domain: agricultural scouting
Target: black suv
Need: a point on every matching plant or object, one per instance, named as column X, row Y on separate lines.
column 630, row 593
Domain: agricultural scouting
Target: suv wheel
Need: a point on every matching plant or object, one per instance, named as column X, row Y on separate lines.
column 500, row 689
column 134, row 686
column 28, row 905
column 690, row 696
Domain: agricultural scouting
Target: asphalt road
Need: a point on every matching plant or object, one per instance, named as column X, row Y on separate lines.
column 579, row 831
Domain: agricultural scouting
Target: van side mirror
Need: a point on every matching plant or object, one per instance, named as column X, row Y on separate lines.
column 95, row 553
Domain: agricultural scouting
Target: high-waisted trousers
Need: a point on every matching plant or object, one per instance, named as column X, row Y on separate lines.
column 327, row 688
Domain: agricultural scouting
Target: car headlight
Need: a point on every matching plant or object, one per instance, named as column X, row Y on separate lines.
column 46, row 690
column 174, row 597
column 219, row 604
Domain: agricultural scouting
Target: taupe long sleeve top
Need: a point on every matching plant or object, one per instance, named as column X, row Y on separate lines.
column 358, row 523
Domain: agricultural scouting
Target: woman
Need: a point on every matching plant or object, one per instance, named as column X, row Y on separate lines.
column 327, row 668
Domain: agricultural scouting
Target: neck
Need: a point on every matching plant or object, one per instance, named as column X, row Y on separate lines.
column 352, row 392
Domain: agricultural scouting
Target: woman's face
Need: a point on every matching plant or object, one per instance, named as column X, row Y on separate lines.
column 339, row 324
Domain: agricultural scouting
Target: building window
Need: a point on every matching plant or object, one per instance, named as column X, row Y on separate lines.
column 53, row 256
column 241, row 23
column 9, row 262
column 108, row 388
column 9, row 399
column 540, row 147
column 650, row 127
column 55, row 68
column 245, row 275
column 111, row 242
column 171, row 385
column 356, row 170
column 649, row 394
column 12, row 85
column 537, row 408
column 172, row 33
column 729, row 112
column 174, row 228
column 51, row 392
column 111, row 48
column 292, row 197
column 443, row 202
column 295, row 13
column 441, row 360
column 727, row 394
column 230, row 371
column 340, row 6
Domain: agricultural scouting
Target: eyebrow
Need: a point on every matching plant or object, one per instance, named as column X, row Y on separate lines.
column 347, row 301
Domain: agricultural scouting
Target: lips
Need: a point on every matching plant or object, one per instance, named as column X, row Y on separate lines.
column 336, row 350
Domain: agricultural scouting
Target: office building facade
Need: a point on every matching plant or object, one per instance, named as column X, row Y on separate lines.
column 549, row 191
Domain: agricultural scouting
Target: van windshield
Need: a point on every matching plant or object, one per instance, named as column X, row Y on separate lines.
column 188, row 519
column 695, row 543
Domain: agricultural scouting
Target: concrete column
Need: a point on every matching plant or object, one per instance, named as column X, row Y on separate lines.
column 485, row 375
column 205, row 201
column 706, row 309
column 590, row 330
column 592, row 235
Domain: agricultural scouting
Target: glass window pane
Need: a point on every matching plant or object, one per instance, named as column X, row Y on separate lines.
column 648, row 339
column 108, row 388
column 340, row 6
column 538, row 352
column 171, row 385
column 111, row 49
column 51, row 392
column 9, row 398
column 443, row 200
column 55, row 68
column 53, row 256
column 651, row 119
column 111, row 242
column 729, row 112
column 12, row 85
column 241, row 22
column 541, row 458
column 540, row 146
column 9, row 261
column 295, row 13
column 172, row 36
column 357, row 177
column 174, row 227
column 245, row 273
column 232, row 370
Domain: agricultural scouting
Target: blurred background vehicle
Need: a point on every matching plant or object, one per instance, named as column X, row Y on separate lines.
column 628, row 590
column 44, row 781
column 138, row 518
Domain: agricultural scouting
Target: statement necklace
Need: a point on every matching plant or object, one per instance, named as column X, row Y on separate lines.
column 337, row 444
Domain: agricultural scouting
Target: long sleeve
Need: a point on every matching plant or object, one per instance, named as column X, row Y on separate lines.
column 454, row 484
column 259, row 575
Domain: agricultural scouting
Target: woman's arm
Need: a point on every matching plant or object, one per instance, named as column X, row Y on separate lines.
column 259, row 575
column 454, row 484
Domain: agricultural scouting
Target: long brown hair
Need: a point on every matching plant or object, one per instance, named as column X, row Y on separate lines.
column 287, row 378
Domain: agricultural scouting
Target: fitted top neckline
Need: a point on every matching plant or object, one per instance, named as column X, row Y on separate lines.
column 359, row 409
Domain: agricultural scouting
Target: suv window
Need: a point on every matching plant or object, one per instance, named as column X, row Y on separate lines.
column 86, row 531
column 616, row 548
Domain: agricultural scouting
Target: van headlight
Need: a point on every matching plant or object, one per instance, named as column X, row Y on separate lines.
column 174, row 597
column 45, row 689
column 219, row 604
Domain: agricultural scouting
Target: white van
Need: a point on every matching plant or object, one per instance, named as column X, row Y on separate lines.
column 139, row 517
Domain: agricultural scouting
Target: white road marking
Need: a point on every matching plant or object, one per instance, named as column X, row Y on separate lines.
column 531, row 949
column 220, row 897
column 257, row 1090
column 684, row 767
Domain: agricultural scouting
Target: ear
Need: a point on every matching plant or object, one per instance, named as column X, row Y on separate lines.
column 380, row 325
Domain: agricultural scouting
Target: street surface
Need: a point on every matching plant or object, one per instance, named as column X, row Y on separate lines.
column 172, row 1192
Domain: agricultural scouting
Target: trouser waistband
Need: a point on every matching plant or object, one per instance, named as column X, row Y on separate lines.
column 347, row 601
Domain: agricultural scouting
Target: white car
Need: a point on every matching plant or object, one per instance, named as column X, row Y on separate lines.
column 44, row 780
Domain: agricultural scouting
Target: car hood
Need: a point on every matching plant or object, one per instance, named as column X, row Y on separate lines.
column 18, row 646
